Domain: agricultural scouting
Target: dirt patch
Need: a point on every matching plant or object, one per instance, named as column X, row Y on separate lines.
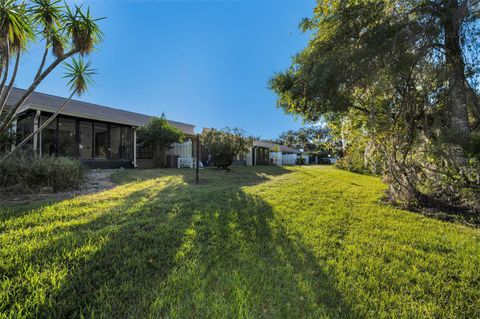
column 96, row 180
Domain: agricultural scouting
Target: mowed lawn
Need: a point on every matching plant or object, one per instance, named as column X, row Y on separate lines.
column 299, row 242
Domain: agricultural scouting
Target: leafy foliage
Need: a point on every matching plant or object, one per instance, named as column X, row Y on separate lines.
column 22, row 173
column 399, row 80
column 64, row 31
column 300, row 161
column 314, row 139
column 159, row 135
column 224, row 145
column 80, row 75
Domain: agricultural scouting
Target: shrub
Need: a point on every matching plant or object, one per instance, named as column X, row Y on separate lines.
column 224, row 145
column 22, row 173
column 300, row 161
column 324, row 161
column 353, row 162
column 159, row 135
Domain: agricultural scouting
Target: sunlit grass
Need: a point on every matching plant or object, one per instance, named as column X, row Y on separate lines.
column 310, row 242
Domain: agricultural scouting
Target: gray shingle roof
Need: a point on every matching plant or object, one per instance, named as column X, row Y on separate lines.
column 50, row 103
column 270, row 145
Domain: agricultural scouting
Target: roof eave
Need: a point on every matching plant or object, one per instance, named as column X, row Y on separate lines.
column 97, row 118
column 73, row 114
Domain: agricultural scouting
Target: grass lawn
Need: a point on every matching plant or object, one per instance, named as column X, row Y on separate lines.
column 308, row 242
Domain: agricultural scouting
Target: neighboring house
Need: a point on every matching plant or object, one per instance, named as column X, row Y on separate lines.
column 100, row 136
column 266, row 153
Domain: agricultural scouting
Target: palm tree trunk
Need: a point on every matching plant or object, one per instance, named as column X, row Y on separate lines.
column 4, row 95
column 6, row 63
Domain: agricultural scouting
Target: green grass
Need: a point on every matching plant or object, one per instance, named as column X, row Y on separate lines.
column 309, row 242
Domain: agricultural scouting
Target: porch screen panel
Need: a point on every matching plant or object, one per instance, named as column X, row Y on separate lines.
column 126, row 148
column 25, row 128
column 86, row 140
column 101, row 141
column 66, row 137
column 49, row 136
column 114, row 142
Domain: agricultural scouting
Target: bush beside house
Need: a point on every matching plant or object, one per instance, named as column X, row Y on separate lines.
column 224, row 145
column 159, row 135
column 22, row 173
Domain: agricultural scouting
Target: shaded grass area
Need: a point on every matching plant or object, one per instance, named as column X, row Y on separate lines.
column 310, row 242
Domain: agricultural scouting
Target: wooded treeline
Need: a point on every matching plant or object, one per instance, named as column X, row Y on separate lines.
column 397, row 81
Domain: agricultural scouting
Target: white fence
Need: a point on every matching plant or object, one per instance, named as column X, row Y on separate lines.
column 188, row 163
column 183, row 150
column 289, row 159
column 279, row 159
column 307, row 159
column 276, row 158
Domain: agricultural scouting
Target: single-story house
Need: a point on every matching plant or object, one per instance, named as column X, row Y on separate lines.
column 265, row 153
column 100, row 136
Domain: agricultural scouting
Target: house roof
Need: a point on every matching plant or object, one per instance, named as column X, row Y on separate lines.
column 271, row 146
column 50, row 103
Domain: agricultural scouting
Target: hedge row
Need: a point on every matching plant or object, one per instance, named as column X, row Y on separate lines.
column 22, row 173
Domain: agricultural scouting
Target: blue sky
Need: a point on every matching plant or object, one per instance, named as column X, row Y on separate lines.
column 200, row 62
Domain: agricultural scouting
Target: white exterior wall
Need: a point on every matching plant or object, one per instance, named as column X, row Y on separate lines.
column 307, row 159
column 289, row 159
column 276, row 157
column 183, row 150
column 248, row 158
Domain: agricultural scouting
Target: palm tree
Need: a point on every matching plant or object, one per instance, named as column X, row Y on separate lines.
column 289, row 138
column 47, row 15
column 16, row 30
column 61, row 27
column 302, row 138
column 80, row 76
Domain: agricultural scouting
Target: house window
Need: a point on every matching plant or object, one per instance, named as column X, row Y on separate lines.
column 101, row 141
column 114, row 142
column 48, row 136
column 66, row 137
column 25, row 128
column 85, row 147
column 126, row 148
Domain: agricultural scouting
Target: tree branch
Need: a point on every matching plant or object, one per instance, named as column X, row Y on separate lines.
column 42, row 64
column 5, row 74
column 8, row 119
column 4, row 95
column 50, row 119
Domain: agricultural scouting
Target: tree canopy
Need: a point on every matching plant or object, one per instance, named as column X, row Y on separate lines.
column 63, row 31
column 159, row 135
column 405, row 73
column 314, row 139
column 223, row 145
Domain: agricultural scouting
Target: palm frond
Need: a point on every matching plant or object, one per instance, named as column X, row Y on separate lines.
column 16, row 26
column 82, row 28
column 80, row 75
column 47, row 13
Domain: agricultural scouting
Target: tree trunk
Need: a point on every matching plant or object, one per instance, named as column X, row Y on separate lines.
column 458, row 111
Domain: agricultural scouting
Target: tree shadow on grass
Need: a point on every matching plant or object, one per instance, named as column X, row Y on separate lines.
column 187, row 251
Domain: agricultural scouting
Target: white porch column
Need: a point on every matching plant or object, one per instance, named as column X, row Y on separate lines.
column 135, row 147
column 36, row 121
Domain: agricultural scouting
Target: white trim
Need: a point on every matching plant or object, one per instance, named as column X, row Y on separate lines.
column 134, row 147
